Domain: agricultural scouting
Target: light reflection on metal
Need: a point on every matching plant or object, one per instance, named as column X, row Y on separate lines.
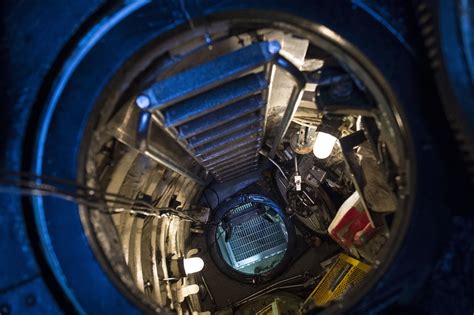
column 190, row 100
column 293, row 103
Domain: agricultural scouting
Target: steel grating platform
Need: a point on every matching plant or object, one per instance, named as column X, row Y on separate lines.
column 254, row 238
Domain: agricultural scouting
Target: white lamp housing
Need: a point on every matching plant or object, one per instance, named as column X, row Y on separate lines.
column 323, row 145
column 193, row 265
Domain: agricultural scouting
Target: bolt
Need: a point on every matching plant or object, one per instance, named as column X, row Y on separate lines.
column 4, row 309
column 274, row 47
column 30, row 300
column 143, row 101
column 426, row 147
column 208, row 39
column 148, row 285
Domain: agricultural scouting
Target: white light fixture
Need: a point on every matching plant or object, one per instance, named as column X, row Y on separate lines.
column 193, row 265
column 323, row 145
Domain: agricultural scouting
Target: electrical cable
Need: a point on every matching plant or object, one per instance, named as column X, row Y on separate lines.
column 32, row 186
column 205, row 197
column 305, row 123
column 87, row 196
column 266, row 290
column 217, row 195
column 94, row 206
column 217, row 239
column 274, row 163
column 90, row 190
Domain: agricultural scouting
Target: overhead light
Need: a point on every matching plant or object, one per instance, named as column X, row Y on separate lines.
column 193, row 265
column 323, row 145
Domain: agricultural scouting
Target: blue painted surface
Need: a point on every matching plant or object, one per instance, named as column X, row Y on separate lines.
column 208, row 75
column 230, row 127
column 29, row 72
column 62, row 231
column 29, row 297
column 219, row 97
column 220, row 117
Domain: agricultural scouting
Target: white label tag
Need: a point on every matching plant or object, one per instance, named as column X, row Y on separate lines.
column 298, row 182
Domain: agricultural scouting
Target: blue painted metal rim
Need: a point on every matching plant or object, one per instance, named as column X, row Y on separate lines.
column 82, row 49
column 35, row 168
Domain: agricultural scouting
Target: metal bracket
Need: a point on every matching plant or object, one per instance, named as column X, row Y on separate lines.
column 295, row 98
column 347, row 147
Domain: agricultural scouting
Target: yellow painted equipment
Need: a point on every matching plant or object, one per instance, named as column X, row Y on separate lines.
column 346, row 272
column 271, row 309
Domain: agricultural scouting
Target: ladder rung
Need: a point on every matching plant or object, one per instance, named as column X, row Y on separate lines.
column 211, row 74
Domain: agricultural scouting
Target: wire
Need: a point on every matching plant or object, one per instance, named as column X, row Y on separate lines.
column 208, row 187
column 217, row 239
column 12, row 182
column 270, row 288
column 71, row 196
column 305, row 123
column 205, row 197
column 92, row 205
column 214, row 243
column 211, row 296
column 89, row 190
column 217, row 195
column 274, row 163
column 295, row 158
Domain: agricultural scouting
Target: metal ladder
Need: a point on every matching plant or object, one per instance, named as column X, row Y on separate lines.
column 216, row 110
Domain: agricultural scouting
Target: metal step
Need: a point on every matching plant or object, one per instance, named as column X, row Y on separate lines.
column 216, row 110
column 220, row 117
column 236, row 165
column 239, row 146
column 242, row 153
column 229, row 140
column 211, row 74
column 236, row 174
column 213, row 100
column 233, row 162
column 248, row 121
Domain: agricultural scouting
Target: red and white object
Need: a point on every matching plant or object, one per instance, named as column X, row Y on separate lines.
column 351, row 227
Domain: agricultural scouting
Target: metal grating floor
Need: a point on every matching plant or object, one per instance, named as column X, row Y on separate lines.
column 255, row 239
